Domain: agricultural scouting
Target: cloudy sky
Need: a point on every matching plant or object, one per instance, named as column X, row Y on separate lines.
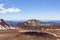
column 30, row 9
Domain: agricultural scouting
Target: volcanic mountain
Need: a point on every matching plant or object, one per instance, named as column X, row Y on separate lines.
column 31, row 24
column 4, row 25
column 34, row 24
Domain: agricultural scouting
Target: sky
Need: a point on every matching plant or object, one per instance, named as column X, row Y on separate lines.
column 30, row 9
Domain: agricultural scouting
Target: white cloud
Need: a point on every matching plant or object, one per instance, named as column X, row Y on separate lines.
column 10, row 10
column 13, row 9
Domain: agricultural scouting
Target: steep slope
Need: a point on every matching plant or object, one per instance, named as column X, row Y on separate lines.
column 4, row 25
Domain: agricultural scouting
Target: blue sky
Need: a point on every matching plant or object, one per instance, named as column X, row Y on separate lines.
column 30, row 9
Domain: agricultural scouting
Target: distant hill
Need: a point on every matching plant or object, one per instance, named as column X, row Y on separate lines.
column 15, row 22
column 54, row 22
column 34, row 24
column 12, row 22
column 48, row 21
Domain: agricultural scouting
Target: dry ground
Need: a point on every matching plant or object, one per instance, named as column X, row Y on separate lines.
column 28, row 36
column 16, row 35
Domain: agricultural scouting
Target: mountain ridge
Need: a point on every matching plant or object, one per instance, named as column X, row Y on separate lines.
column 4, row 25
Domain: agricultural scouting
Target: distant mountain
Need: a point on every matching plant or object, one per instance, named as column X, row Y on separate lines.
column 46, row 21
column 15, row 22
column 54, row 22
column 4, row 25
column 12, row 22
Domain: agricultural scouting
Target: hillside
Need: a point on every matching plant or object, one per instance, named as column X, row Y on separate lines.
column 36, row 25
